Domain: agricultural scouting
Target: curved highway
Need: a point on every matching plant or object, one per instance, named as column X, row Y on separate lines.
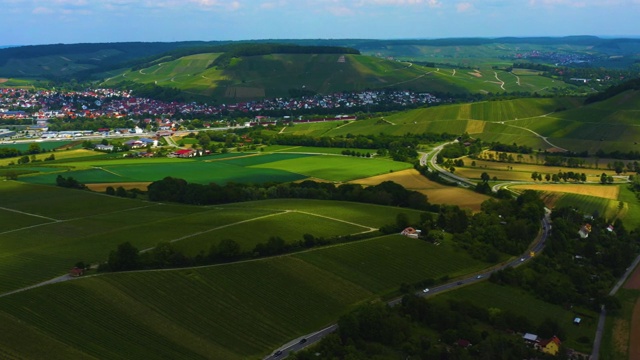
column 536, row 247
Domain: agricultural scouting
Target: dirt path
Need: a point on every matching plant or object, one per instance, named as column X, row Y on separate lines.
column 495, row 73
column 453, row 73
column 517, row 78
column 26, row 213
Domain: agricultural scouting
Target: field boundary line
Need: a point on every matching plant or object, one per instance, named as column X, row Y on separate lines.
column 219, row 227
column 371, row 229
column 26, row 213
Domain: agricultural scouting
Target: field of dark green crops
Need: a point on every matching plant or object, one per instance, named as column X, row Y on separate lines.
column 233, row 311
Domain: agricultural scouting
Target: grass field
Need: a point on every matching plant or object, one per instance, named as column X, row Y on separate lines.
column 188, row 313
column 336, row 168
column 491, row 295
column 591, row 204
column 616, row 336
column 285, row 165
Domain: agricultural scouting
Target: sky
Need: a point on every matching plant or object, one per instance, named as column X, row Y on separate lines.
column 31, row 22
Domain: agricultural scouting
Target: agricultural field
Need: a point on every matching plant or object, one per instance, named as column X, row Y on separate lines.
column 336, row 168
column 607, row 208
column 130, row 314
column 436, row 193
column 284, row 166
column 39, row 242
column 521, row 171
column 490, row 295
column 602, row 191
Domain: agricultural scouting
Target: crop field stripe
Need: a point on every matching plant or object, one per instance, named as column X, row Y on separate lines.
column 221, row 227
column 26, row 213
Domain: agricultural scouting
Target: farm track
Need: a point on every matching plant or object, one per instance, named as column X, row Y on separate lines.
column 26, row 213
column 54, row 221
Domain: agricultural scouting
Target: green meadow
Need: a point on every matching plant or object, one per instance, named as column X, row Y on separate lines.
column 253, row 168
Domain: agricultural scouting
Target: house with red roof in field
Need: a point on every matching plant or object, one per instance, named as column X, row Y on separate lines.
column 76, row 271
column 550, row 346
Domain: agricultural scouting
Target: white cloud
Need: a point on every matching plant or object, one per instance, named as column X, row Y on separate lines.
column 42, row 10
column 464, row 6
column 340, row 10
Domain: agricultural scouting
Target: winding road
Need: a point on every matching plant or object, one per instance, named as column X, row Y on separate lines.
column 537, row 246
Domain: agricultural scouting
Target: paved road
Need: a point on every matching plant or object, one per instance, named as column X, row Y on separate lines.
column 432, row 156
column 536, row 247
column 595, row 352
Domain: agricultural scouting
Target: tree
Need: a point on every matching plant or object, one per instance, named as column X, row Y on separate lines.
column 23, row 160
column 603, row 178
column 485, row 177
column 110, row 190
column 125, row 258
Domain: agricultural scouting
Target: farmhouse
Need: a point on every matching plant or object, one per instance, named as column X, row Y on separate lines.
column 550, row 346
column 584, row 231
column 411, row 232
column 76, row 271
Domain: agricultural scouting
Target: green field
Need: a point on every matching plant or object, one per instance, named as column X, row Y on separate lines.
column 337, row 168
column 490, row 295
column 616, row 334
column 296, row 163
column 40, row 242
column 590, row 204
column 188, row 313
column 46, row 145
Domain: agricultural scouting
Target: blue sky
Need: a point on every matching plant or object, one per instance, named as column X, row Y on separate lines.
column 27, row 22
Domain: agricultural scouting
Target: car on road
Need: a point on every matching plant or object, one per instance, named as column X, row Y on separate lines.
column 302, row 341
column 521, row 259
column 459, row 282
column 277, row 353
column 479, row 277
column 425, row 290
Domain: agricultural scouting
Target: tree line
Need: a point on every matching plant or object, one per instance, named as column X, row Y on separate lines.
column 242, row 50
column 432, row 329
column 386, row 193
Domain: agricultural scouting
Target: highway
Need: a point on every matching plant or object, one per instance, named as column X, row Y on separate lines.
column 536, row 247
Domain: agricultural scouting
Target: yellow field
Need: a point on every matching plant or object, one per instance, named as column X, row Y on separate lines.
column 475, row 126
column 435, row 192
column 410, row 179
column 522, row 171
column 466, row 199
column 607, row 192
column 126, row 185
